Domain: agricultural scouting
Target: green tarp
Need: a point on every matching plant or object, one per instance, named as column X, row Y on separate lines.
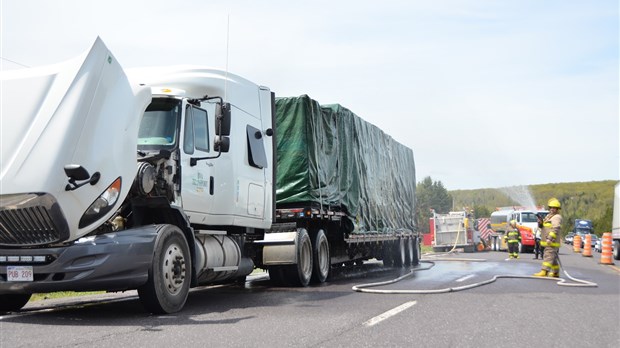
column 329, row 157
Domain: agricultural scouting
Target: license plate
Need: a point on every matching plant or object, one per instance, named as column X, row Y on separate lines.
column 19, row 273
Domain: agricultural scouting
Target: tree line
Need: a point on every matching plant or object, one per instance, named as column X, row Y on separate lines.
column 580, row 200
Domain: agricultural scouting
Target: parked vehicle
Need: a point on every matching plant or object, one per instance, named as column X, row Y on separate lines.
column 569, row 238
column 598, row 246
column 162, row 179
column 454, row 230
column 527, row 224
column 593, row 239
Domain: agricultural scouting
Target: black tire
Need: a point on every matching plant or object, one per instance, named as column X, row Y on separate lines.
column 321, row 262
column 169, row 279
column 399, row 253
column 301, row 273
column 13, row 302
column 417, row 252
column 521, row 248
column 388, row 254
column 409, row 251
column 616, row 249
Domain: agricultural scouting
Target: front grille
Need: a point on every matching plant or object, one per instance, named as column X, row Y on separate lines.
column 31, row 220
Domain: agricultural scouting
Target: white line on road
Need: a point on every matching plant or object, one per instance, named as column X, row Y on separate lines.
column 465, row 278
column 392, row 312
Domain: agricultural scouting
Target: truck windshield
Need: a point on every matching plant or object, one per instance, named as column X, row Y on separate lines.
column 528, row 217
column 160, row 124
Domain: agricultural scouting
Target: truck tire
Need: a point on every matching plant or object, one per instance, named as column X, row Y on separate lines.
column 409, row 252
column 321, row 260
column 399, row 253
column 388, row 254
column 169, row 278
column 616, row 247
column 417, row 252
column 13, row 302
column 300, row 274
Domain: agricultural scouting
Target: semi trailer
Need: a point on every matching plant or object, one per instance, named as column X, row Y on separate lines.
column 163, row 179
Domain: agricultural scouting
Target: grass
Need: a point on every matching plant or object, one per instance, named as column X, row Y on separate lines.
column 62, row 294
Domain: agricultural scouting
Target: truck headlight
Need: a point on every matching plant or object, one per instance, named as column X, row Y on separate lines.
column 102, row 205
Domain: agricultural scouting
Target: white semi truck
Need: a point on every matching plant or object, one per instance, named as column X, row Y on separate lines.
column 162, row 179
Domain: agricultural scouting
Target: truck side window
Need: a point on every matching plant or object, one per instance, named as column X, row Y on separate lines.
column 188, row 138
column 256, row 148
column 201, row 129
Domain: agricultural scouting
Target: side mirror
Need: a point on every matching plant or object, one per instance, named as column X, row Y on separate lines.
column 222, row 144
column 222, row 120
column 76, row 172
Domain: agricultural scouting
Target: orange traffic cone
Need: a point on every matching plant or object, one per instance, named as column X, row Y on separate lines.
column 577, row 243
column 606, row 249
column 587, row 246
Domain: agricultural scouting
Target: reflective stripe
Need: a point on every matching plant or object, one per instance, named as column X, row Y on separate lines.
column 547, row 264
column 543, row 243
column 547, row 224
column 513, row 241
column 555, row 267
column 552, row 235
column 553, row 245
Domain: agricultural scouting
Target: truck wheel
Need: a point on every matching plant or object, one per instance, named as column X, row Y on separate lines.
column 417, row 252
column 13, row 302
column 388, row 254
column 167, row 287
column 300, row 273
column 616, row 247
column 399, row 253
column 521, row 248
column 409, row 252
column 321, row 260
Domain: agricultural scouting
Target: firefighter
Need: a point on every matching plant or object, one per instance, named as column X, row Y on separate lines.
column 512, row 239
column 538, row 250
column 550, row 240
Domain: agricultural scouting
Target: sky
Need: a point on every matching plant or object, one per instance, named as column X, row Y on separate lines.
column 487, row 93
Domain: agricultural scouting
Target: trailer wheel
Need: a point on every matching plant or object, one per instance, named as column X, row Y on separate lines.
column 399, row 253
column 409, row 252
column 388, row 255
column 616, row 247
column 13, row 302
column 301, row 273
column 417, row 252
column 321, row 260
column 168, row 284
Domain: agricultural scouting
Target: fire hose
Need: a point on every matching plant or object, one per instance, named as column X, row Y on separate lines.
column 366, row 287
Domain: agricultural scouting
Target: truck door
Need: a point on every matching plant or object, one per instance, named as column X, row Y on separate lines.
column 197, row 181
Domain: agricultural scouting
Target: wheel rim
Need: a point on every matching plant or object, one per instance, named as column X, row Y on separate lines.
column 173, row 269
column 306, row 257
column 323, row 256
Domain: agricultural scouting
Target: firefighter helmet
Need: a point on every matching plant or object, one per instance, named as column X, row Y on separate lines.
column 513, row 223
column 554, row 203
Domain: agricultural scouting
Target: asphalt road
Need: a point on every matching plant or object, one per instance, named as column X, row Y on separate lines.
column 510, row 312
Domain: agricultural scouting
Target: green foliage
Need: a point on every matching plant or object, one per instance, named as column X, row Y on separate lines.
column 580, row 200
column 430, row 195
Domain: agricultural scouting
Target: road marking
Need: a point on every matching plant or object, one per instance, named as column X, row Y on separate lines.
column 392, row 312
column 465, row 277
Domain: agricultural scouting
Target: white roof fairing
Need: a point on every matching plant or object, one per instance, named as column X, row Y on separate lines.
column 198, row 81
